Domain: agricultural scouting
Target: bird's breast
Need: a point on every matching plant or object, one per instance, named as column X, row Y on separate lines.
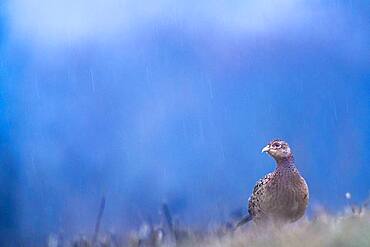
column 289, row 199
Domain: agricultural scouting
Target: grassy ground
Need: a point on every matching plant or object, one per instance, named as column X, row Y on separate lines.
column 348, row 230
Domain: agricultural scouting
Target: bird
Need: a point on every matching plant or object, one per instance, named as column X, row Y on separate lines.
column 282, row 195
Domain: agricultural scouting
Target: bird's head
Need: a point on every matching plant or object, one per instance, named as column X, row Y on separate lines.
column 278, row 149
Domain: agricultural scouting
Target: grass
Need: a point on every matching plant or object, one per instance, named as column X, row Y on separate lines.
column 348, row 230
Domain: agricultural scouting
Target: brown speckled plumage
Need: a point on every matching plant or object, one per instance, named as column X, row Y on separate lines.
column 282, row 195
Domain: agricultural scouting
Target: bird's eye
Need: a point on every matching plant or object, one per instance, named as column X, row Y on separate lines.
column 276, row 145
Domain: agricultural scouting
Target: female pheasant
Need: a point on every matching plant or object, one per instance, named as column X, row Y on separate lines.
column 282, row 195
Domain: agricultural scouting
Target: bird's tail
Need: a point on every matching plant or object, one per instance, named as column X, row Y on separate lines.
column 243, row 221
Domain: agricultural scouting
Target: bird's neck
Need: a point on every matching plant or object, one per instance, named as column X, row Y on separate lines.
column 286, row 163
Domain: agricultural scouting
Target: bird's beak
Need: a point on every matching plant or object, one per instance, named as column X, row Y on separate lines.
column 266, row 149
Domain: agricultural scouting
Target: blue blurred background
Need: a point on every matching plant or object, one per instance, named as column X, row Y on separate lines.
column 173, row 101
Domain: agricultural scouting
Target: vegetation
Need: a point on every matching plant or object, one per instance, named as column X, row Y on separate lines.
column 349, row 229
column 326, row 230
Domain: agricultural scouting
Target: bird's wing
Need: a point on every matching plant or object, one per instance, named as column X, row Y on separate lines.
column 255, row 201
